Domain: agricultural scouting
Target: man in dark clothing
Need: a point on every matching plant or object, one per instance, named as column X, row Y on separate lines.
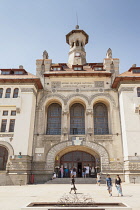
column 73, row 183
column 109, row 184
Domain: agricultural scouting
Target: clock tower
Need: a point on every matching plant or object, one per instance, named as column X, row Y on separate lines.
column 77, row 39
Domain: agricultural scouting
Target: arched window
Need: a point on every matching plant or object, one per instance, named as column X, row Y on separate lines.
column 100, row 119
column 54, row 119
column 77, row 119
column 77, row 43
column 72, row 44
column 1, row 92
column 15, row 94
column 3, row 158
column 8, row 92
column 138, row 91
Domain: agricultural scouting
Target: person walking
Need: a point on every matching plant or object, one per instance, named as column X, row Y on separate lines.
column 118, row 182
column 73, row 183
column 109, row 184
column 84, row 172
column 62, row 171
column 98, row 179
column 74, row 172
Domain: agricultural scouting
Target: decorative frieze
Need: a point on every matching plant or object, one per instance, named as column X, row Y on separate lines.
column 6, row 135
column 28, row 90
column 127, row 89
column 56, row 84
column 103, row 137
column 99, row 84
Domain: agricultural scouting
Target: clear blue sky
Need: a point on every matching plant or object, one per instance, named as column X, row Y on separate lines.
column 29, row 27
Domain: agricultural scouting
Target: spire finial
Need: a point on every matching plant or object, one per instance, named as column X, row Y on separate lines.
column 77, row 26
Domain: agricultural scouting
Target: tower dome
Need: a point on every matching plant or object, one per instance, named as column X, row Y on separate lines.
column 77, row 39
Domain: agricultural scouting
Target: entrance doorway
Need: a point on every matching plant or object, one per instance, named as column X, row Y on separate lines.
column 79, row 160
column 3, row 158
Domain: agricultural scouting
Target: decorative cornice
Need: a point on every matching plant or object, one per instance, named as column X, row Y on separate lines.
column 128, row 89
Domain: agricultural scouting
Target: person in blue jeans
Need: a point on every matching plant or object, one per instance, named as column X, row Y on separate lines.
column 109, row 184
column 118, row 182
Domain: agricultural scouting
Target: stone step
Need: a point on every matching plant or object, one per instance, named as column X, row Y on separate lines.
column 77, row 181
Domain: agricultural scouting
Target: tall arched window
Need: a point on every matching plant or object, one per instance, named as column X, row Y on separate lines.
column 1, row 92
column 8, row 92
column 3, row 158
column 77, row 119
column 15, row 94
column 54, row 119
column 100, row 119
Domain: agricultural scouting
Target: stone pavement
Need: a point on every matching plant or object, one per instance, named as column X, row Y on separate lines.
column 15, row 197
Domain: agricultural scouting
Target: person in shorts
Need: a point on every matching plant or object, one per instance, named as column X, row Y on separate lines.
column 109, row 184
column 98, row 179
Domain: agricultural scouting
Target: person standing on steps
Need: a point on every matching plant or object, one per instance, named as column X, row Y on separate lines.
column 98, row 179
column 84, row 172
column 118, row 182
column 73, row 183
column 109, row 184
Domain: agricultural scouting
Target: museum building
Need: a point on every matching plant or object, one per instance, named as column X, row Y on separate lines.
column 71, row 114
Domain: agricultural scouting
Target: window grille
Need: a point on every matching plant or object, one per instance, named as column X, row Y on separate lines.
column 77, row 119
column 100, row 119
column 54, row 119
column 15, row 94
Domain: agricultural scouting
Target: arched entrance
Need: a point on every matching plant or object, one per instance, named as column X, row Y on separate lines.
column 78, row 160
column 3, row 158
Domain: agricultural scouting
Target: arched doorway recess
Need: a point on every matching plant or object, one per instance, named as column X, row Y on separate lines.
column 3, row 157
column 79, row 160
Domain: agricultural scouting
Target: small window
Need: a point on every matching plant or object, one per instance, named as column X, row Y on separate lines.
column 77, row 43
column 15, row 94
column 5, row 72
column 1, row 92
column 5, row 113
column 77, row 68
column 56, row 68
column 13, row 113
column 138, row 91
column 8, row 92
column 18, row 72
column 12, row 125
column 3, row 125
column 136, row 70
column 77, row 54
column 98, row 69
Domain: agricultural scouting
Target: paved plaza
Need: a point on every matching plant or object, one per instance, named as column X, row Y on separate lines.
column 15, row 197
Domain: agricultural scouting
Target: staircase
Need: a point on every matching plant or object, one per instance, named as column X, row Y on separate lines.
column 68, row 181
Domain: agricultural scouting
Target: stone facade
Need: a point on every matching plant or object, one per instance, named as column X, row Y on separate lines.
column 32, row 150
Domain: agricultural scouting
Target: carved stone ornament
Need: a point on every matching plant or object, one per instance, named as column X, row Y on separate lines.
column 45, row 55
column 89, row 112
column 90, row 130
column 65, row 112
column 99, row 84
column 65, row 130
column 109, row 53
column 18, row 110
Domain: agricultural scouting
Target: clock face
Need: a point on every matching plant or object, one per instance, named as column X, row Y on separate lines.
column 77, row 54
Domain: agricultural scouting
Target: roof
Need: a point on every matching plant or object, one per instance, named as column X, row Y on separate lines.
column 128, row 75
column 77, row 31
column 23, row 78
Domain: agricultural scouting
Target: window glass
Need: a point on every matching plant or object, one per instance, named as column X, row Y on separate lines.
column 3, row 125
column 12, row 125
column 18, row 72
column 138, row 91
column 8, row 92
column 1, row 92
column 5, row 72
column 78, row 68
column 13, row 113
column 98, row 68
column 15, row 94
column 136, row 70
column 77, row 119
column 100, row 119
column 5, row 113
column 54, row 119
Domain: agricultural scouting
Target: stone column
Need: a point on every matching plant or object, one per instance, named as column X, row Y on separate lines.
column 90, row 130
column 64, row 124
